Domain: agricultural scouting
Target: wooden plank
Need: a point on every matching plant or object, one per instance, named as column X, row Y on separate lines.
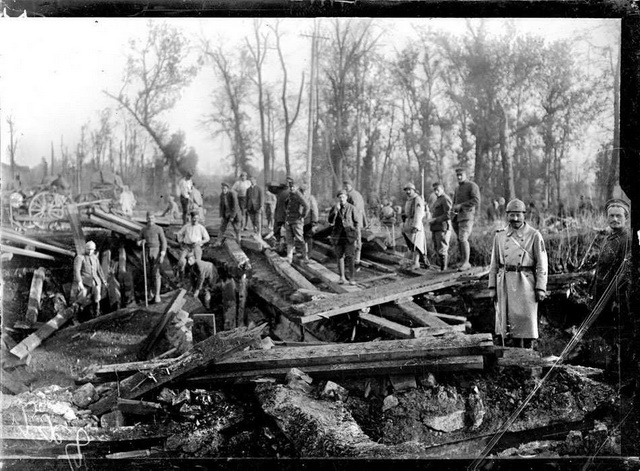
column 25, row 252
column 378, row 277
column 240, row 258
column 450, row 345
column 35, row 339
column 8, row 234
column 71, row 210
column 229, row 305
column 329, row 278
column 285, row 270
column 35, row 296
column 448, row 317
column 93, row 323
column 11, row 383
column 336, row 370
column 204, row 354
column 242, row 315
column 137, row 407
column 390, row 327
column 421, row 316
column 112, row 227
column 119, row 220
column 173, row 307
column 131, row 367
column 376, row 266
column 316, row 310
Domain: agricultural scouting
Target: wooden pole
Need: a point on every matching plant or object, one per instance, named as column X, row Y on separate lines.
column 35, row 296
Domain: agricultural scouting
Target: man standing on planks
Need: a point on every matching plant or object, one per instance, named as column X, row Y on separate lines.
column 465, row 202
column 229, row 213
column 518, row 277
column 415, row 210
column 297, row 208
column 155, row 248
column 345, row 229
column 88, row 277
column 254, row 205
column 440, row 225
column 355, row 198
column 192, row 237
column 185, row 185
column 240, row 187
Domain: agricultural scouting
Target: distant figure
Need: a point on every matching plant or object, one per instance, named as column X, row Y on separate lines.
column 240, row 187
column 518, row 278
column 280, row 215
column 501, row 208
column 415, row 211
column 356, row 199
column 172, row 209
column 387, row 217
column 229, row 213
column 197, row 203
column 440, row 225
column 465, row 202
column 185, row 185
column 191, row 237
column 88, row 277
column 61, row 185
column 562, row 211
column 254, row 205
column 155, row 250
column 533, row 215
column 493, row 214
column 127, row 201
column 585, row 207
column 270, row 201
column 345, row 223
column 310, row 221
column 297, row 207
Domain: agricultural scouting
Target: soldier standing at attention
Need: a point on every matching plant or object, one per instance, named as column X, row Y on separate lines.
column 465, row 202
column 156, row 247
column 518, row 277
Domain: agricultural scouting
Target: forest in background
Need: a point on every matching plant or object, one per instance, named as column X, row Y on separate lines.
column 531, row 118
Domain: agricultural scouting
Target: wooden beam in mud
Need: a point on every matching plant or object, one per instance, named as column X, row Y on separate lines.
column 315, row 310
column 421, row 316
column 93, row 323
column 329, row 278
column 285, row 270
column 242, row 262
column 173, row 307
column 390, row 327
column 204, row 354
column 35, row 295
column 34, row 340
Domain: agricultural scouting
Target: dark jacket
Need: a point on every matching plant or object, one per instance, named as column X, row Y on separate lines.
column 468, row 196
column 282, row 194
column 229, row 206
column 297, row 207
column 441, row 208
column 345, row 223
column 254, row 199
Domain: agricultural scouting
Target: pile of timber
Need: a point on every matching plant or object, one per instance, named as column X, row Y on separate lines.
column 26, row 246
column 113, row 222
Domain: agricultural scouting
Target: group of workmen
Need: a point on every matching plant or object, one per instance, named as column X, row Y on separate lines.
column 519, row 262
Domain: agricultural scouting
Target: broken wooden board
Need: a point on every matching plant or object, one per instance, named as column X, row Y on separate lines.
column 8, row 234
column 126, row 369
column 25, row 252
column 35, row 295
column 420, row 316
column 345, row 370
column 352, row 353
column 134, row 407
column 329, row 278
column 212, row 350
column 285, row 270
column 390, row 327
column 71, row 210
column 34, row 340
column 173, row 307
column 349, row 302
column 241, row 261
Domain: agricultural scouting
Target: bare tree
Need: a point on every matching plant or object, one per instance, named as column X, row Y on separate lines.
column 258, row 53
column 157, row 72
column 13, row 145
column 230, row 101
column 288, row 122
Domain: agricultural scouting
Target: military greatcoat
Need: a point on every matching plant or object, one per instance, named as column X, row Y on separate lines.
column 518, row 267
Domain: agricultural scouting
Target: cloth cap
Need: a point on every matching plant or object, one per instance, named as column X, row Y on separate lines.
column 516, row 206
column 225, row 184
column 409, row 186
column 188, row 174
column 194, row 213
column 341, row 192
column 243, row 173
column 347, row 182
column 90, row 245
column 619, row 203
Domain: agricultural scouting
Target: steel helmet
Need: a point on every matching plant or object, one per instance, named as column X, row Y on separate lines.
column 516, row 206
column 90, row 245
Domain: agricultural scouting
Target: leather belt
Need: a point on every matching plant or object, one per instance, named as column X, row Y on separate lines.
column 516, row 268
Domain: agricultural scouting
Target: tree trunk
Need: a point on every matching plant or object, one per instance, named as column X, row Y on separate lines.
column 507, row 159
column 612, row 177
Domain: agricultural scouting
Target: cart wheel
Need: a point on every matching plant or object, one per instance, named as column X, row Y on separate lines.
column 40, row 207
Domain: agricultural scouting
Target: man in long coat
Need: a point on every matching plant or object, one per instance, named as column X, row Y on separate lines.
column 413, row 228
column 518, row 277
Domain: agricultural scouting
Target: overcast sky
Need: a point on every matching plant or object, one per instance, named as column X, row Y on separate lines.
column 53, row 71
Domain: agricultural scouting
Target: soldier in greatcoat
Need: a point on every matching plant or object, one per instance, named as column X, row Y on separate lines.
column 518, row 277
